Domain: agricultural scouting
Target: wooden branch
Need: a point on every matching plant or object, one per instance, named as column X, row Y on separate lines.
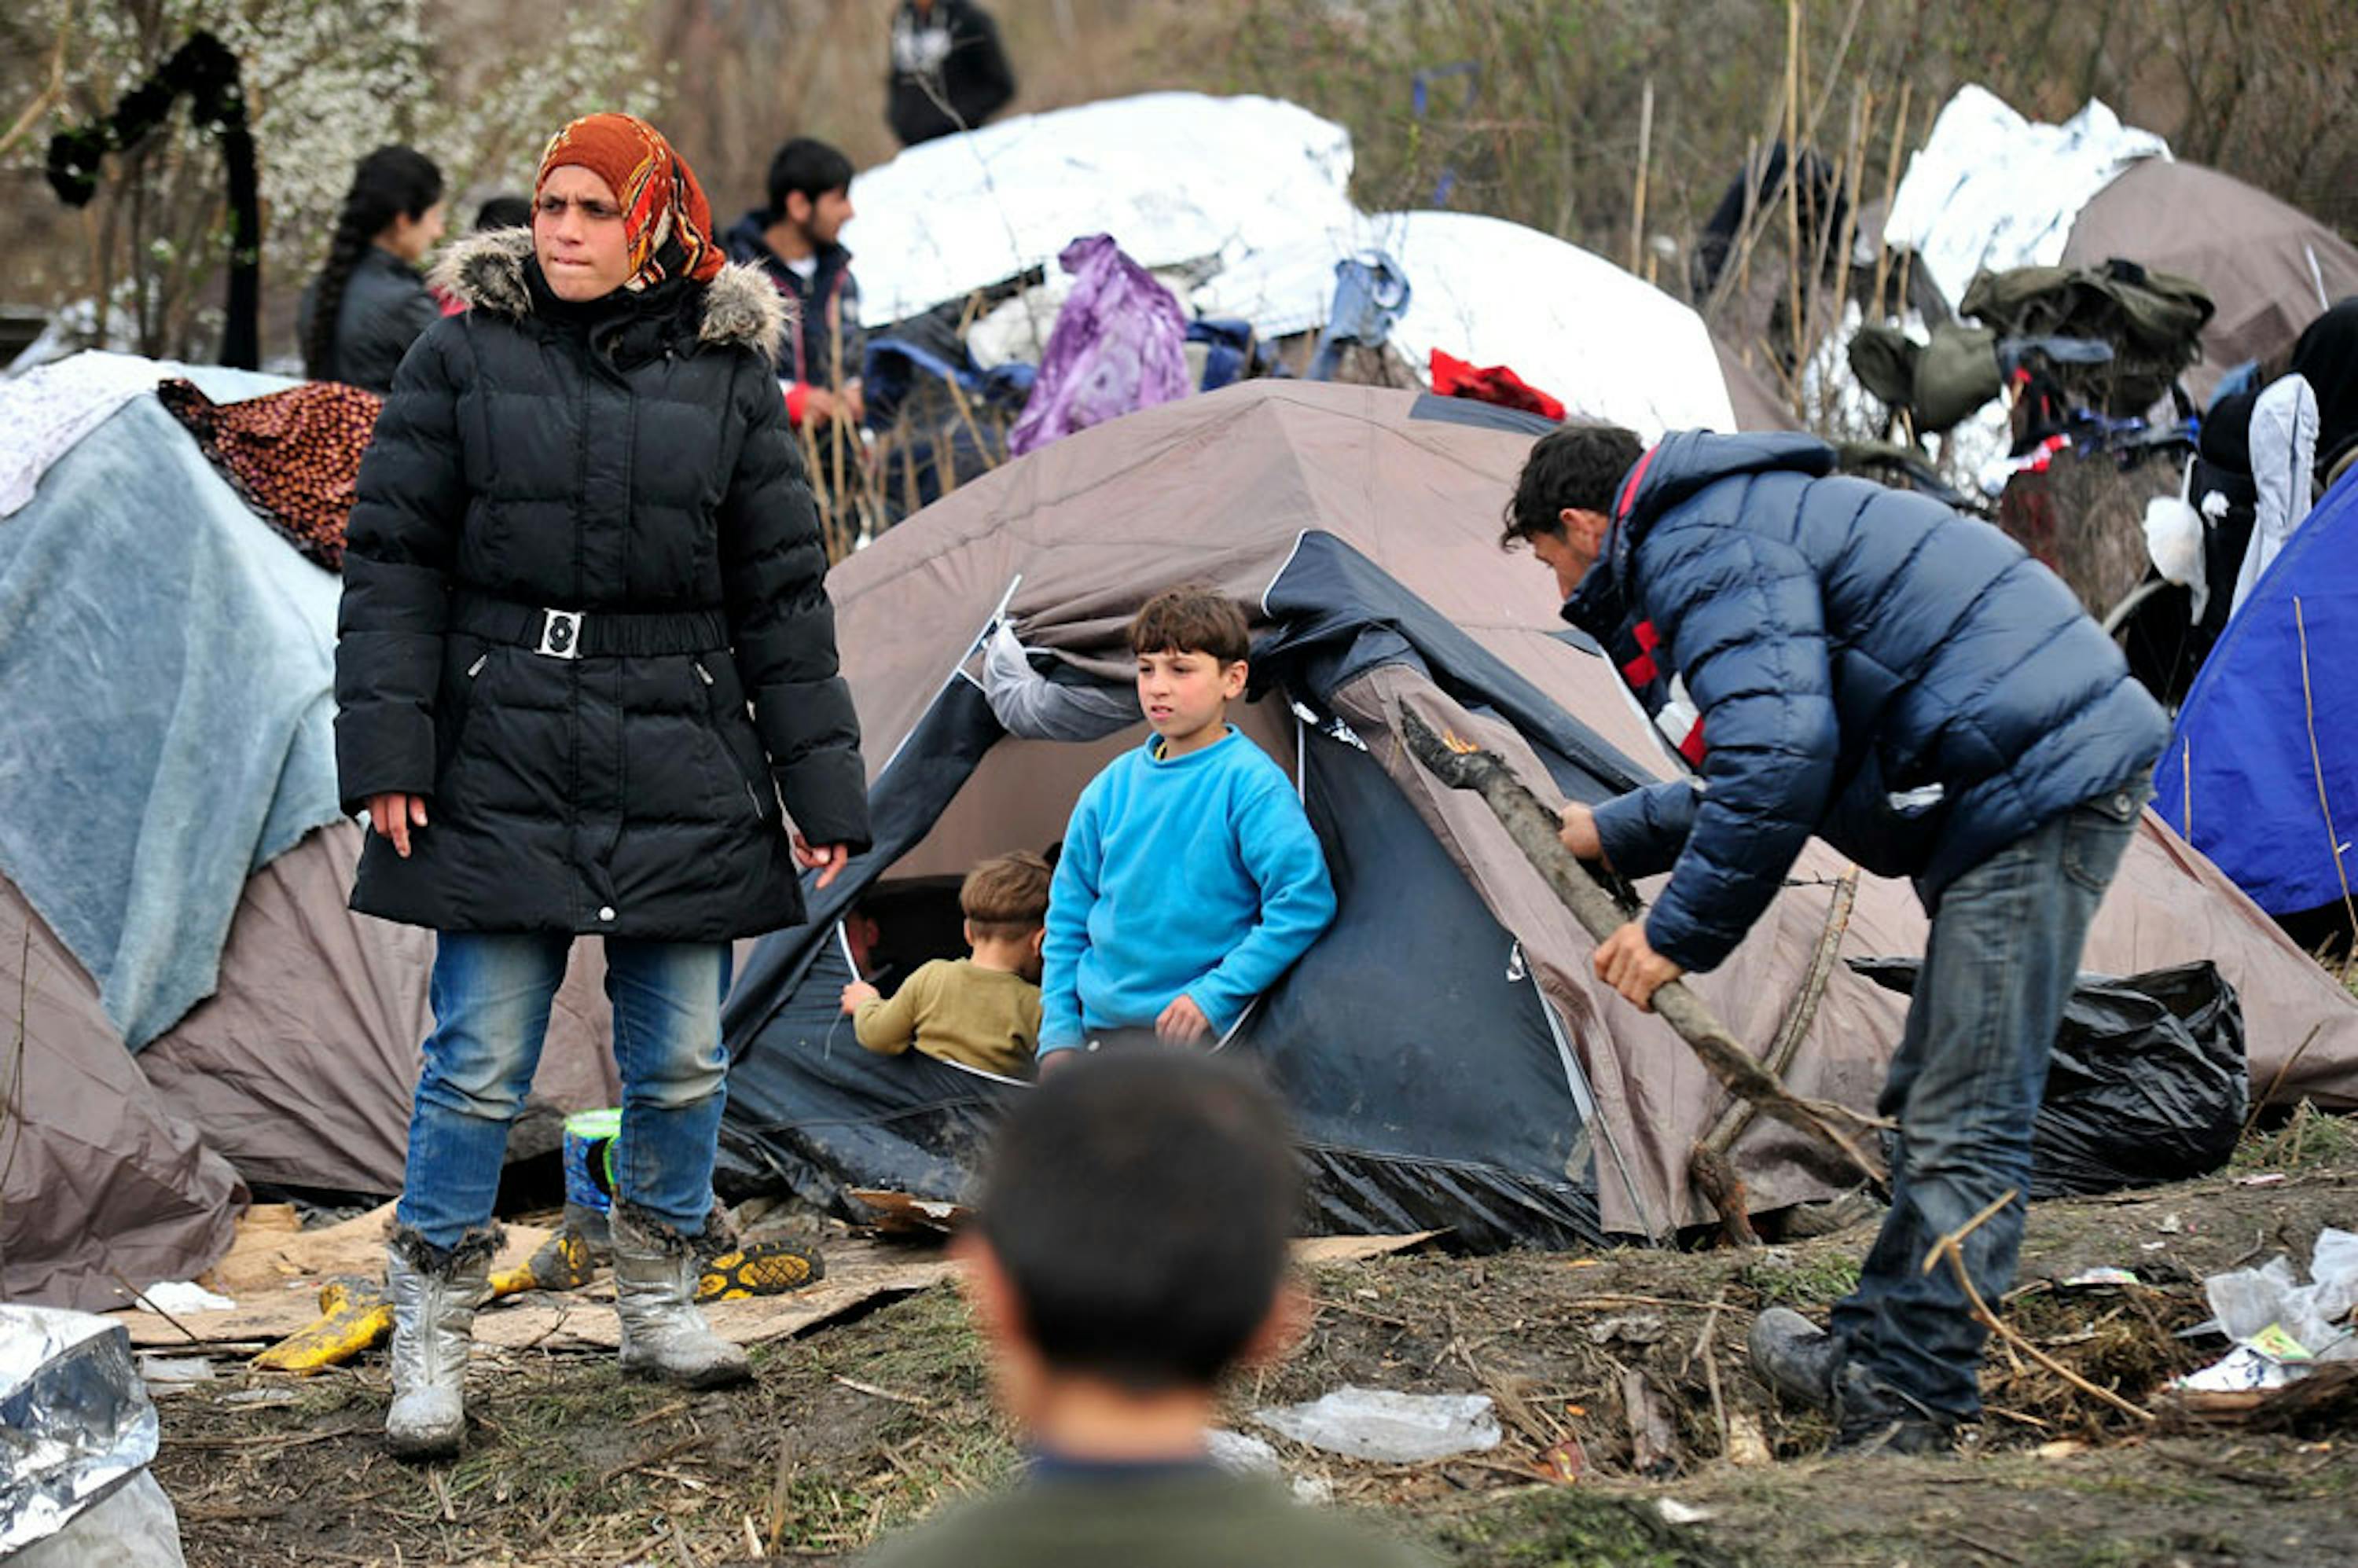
column 1534, row 830
column 1793, row 194
column 1890, row 192
column 1638, row 202
column 1738, row 1116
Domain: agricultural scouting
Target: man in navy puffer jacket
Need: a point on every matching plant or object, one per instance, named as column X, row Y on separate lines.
column 1837, row 659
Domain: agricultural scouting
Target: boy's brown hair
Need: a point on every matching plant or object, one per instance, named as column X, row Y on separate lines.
column 1193, row 618
column 1006, row 897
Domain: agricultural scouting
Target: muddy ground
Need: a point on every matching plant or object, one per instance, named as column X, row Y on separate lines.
column 861, row 1427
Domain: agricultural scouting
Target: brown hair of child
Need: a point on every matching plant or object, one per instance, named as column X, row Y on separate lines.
column 1193, row 618
column 1006, row 897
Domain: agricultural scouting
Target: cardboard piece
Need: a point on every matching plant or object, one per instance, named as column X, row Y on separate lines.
column 274, row 1278
column 857, row 1273
column 1315, row 1250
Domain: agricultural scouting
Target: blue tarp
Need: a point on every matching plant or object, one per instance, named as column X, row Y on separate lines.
column 2267, row 719
column 166, row 678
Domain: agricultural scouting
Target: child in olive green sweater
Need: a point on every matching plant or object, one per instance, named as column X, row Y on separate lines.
column 980, row 1011
column 1130, row 1247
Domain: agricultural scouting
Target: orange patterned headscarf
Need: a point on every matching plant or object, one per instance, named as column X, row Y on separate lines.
column 668, row 222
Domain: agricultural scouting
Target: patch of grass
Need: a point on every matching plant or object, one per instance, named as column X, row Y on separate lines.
column 2310, row 1139
column 1570, row 1528
column 1803, row 1280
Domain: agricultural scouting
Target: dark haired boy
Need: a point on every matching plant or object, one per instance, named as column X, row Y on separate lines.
column 1191, row 878
column 794, row 240
column 980, row 1011
column 1871, row 667
column 1130, row 1248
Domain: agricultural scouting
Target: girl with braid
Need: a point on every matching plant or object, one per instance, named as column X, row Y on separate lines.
column 368, row 303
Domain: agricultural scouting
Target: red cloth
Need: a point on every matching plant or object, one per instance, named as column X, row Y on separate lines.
column 664, row 208
column 293, row 455
column 1453, row 377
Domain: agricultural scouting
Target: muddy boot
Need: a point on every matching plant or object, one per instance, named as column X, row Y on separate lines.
column 663, row 1335
column 1795, row 1357
column 435, row 1294
column 1873, row 1417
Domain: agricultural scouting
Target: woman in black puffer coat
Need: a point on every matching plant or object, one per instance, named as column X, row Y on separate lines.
column 367, row 304
column 585, row 648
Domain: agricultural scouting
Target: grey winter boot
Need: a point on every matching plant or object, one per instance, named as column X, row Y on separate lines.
column 663, row 1335
column 435, row 1294
column 1795, row 1357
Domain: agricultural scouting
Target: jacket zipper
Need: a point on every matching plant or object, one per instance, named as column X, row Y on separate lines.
column 750, row 798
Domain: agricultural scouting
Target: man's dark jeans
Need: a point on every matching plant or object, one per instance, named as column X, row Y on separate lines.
column 1964, row 1088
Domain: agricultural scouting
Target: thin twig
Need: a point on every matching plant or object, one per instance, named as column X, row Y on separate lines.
column 669, row 1451
column 1796, row 1028
column 1890, row 193
column 2276, row 1082
column 1710, row 1322
column 1984, row 1548
column 781, row 1484
column 1952, row 1247
column 1638, row 202
column 2332, row 838
column 1323, row 1302
column 856, row 1386
column 136, row 1295
column 1792, row 191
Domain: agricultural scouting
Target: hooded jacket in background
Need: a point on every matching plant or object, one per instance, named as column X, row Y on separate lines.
column 1838, row 659
column 949, row 73
column 629, row 460
column 823, row 307
column 385, row 306
column 2327, row 356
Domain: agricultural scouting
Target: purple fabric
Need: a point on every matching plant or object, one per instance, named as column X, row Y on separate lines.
column 1119, row 345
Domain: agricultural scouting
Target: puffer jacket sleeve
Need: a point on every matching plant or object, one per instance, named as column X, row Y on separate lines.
column 411, row 503
column 774, row 570
column 1744, row 617
column 1643, row 831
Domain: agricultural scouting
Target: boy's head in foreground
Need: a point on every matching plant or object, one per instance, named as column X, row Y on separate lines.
column 1133, row 1246
column 1005, row 902
column 1190, row 644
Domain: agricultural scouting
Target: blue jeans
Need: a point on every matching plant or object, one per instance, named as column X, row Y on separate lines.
column 1964, row 1088
column 492, row 996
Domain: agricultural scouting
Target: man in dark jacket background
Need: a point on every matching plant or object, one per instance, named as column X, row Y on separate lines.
column 949, row 73
column 794, row 241
column 1869, row 666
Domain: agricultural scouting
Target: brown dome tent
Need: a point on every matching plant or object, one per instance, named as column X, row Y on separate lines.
column 2270, row 268
column 1449, row 1055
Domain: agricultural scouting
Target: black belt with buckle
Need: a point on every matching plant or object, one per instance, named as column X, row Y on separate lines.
column 587, row 634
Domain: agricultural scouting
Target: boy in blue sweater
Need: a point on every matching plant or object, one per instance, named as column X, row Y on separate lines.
column 1190, row 877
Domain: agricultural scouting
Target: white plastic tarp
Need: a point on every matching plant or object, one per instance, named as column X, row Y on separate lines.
column 1493, row 292
column 1173, row 177
column 1991, row 189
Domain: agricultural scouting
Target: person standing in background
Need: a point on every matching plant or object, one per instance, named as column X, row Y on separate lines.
column 368, row 303
column 794, row 241
column 949, row 73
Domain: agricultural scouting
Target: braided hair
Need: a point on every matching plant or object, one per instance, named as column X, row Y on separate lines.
column 391, row 183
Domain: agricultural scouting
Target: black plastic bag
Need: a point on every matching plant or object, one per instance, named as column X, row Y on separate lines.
column 2148, row 1083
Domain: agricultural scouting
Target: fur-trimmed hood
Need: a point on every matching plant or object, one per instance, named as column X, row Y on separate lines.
column 485, row 272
